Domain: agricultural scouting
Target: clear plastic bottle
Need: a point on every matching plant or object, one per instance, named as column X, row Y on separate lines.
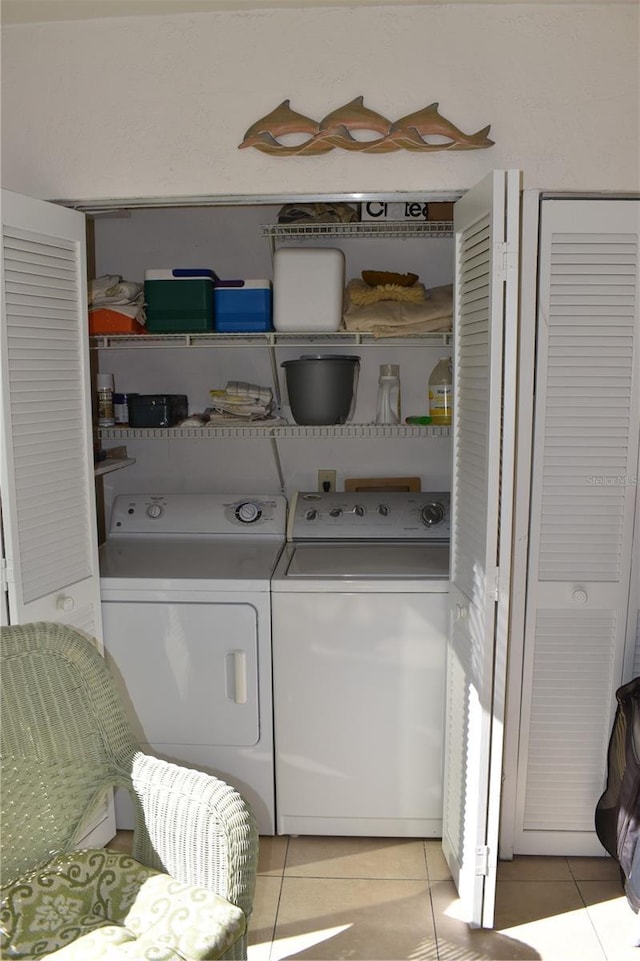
column 104, row 384
column 388, row 407
column 441, row 393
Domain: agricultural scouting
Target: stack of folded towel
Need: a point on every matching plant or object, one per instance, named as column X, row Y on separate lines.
column 115, row 305
column 240, row 402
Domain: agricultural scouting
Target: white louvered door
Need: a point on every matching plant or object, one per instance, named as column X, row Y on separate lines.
column 583, row 494
column 487, row 228
column 47, row 483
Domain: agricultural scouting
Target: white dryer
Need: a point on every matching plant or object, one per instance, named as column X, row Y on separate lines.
column 185, row 586
column 360, row 613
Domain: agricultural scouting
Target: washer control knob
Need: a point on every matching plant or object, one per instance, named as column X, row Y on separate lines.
column 359, row 510
column 432, row 514
column 383, row 510
column 335, row 512
column 311, row 515
column 580, row 596
column 248, row 512
column 65, row 603
column 154, row 510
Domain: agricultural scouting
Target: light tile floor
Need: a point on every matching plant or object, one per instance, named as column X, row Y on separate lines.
column 380, row 899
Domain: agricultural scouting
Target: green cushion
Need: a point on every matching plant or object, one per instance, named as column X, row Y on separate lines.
column 101, row 904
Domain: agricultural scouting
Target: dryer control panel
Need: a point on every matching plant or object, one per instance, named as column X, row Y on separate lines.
column 207, row 514
column 369, row 515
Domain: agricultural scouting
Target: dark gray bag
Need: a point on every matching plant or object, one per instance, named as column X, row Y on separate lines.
column 618, row 810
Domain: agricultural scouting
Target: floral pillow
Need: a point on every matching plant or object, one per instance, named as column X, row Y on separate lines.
column 101, row 904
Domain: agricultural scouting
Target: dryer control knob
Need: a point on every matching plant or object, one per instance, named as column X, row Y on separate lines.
column 154, row 510
column 359, row 510
column 383, row 510
column 311, row 515
column 248, row 513
column 432, row 514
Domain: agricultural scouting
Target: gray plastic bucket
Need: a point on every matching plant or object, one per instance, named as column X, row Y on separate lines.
column 322, row 387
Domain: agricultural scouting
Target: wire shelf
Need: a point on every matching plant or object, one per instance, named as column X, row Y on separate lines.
column 361, row 229
column 269, row 431
column 267, row 339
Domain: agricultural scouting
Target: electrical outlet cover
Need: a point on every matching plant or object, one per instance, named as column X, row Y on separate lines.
column 326, row 480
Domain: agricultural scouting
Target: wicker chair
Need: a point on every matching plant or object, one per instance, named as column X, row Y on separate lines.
column 187, row 890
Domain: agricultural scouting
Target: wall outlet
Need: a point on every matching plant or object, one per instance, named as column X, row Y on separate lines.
column 326, row 480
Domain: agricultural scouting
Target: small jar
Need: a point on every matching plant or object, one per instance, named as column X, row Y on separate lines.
column 104, row 383
column 121, row 409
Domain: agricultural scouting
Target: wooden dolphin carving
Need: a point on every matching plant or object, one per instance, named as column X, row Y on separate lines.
column 355, row 116
column 265, row 143
column 340, row 137
column 282, row 120
column 429, row 121
column 335, row 130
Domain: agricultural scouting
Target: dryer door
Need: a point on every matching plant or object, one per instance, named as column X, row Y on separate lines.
column 189, row 671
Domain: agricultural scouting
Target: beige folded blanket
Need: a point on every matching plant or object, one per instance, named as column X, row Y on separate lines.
column 361, row 295
column 398, row 319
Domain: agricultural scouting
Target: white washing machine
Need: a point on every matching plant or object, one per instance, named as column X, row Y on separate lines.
column 359, row 620
column 186, row 612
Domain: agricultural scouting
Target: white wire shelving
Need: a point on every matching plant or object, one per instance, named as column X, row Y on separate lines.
column 270, row 432
column 271, row 339
column 360, row 229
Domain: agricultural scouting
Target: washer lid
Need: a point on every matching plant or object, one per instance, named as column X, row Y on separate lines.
column 369, row 560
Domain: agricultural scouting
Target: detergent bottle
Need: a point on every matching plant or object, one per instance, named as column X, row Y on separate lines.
column 388, row 406
column 441, row 393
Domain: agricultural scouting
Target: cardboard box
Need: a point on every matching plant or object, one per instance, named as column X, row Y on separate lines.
column 406, row 211
column 440, row 211
column 409, row 210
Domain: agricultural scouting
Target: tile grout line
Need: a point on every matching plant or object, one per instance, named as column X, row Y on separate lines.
column 354, row 877
column 585, row 908
column 277, row 911
column 430, row 882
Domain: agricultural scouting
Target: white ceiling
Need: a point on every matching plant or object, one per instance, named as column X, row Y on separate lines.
column 37, row 11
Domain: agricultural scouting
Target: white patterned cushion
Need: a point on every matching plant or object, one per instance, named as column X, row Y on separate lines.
column 101, row 904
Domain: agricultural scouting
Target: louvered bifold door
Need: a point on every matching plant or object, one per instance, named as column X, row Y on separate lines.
column 48, row 498
column 486, row 227
column 585, row 453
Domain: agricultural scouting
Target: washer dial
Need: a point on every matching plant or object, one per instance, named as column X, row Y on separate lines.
column 248, row 512
column 432, row 514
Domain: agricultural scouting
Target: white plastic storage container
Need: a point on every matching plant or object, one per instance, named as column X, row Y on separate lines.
column 308, row 289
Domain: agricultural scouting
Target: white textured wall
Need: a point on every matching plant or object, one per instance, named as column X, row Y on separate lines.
column 157, row 106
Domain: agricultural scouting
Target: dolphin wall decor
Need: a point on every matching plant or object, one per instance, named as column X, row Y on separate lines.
column 422, row 130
